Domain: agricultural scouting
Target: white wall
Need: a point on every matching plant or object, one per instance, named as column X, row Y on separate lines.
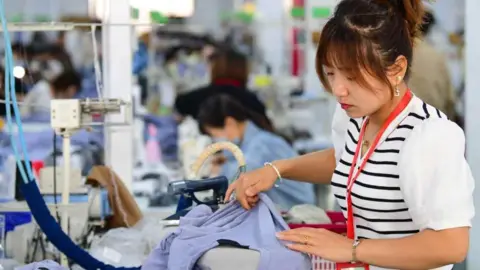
column 207, row 13
column 472, row 111
column 271, row 33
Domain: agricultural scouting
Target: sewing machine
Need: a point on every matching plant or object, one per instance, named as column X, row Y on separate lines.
column 187, row 189
column 96, row 198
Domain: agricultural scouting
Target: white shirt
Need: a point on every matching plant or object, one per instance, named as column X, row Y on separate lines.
column 37, row 99
column 416, row 179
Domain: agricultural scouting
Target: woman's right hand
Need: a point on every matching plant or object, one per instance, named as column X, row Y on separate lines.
column 250, row 184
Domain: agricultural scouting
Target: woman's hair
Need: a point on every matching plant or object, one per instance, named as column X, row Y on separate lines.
column 368, row 36
column 230, row 65
column 67, row 79
column 216, row 109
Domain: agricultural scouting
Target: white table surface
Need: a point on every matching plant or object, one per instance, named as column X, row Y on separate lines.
column 22, row 206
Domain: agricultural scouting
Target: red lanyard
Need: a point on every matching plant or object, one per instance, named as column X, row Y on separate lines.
column 351, row 177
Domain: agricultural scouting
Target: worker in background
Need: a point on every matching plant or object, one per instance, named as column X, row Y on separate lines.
column 430, row 78
column 140, row 57
column 69, row 84
column 48, row 62
column 229, row 75
column 36, row 106
column 140, row 65
column 66, row 85
column 224, row 118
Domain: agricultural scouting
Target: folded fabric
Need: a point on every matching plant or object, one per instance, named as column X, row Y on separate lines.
column 308, row 214
column 201, row 230
column 43, row 265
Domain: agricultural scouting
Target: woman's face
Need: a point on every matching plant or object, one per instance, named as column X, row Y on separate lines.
column 230, row 132
column 355, row 99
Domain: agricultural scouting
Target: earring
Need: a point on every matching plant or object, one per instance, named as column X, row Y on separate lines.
column 397, row 88
column 397, row 91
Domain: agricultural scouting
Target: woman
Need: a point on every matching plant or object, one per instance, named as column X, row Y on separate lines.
column 223, row 118
column 411, row 205
column 229, row 75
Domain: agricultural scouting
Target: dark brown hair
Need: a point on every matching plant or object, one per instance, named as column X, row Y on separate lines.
column 66, row 79
column 369, row 35
column 230, row 65
column 217, row 108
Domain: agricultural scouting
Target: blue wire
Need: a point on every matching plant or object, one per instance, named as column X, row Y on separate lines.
column 9, row 85
column 18, row 118
column 7, row 93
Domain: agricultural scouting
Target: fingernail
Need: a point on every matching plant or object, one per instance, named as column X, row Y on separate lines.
column 279, row 235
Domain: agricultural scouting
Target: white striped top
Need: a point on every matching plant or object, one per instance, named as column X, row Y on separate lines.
column 417, row 178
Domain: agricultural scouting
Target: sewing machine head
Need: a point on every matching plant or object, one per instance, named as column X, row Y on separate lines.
column 187, row 188
column 73, row 114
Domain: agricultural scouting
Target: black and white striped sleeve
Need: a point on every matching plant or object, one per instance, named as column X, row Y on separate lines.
column 435, row 178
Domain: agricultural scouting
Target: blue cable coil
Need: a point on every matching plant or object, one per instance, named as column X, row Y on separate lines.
column 29, row 188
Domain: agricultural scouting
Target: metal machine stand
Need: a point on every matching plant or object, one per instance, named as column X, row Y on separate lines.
column 71, row 115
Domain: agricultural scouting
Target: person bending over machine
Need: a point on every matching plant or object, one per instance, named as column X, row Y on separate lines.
column 224, row 118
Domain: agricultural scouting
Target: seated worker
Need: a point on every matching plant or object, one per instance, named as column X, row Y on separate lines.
column 66, row 85
column 48, row 63
column 224, row 118
column 229, row 75
column 69, row 84
column 37, row 100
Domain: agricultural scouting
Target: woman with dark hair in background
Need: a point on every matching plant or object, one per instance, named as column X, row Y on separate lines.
column 397, row 168
column 224, row 118
column 229, row 75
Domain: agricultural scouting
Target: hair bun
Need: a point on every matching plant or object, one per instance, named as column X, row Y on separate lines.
column 413, row 12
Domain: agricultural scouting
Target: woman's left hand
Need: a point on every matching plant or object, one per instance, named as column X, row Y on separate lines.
column 319, row 242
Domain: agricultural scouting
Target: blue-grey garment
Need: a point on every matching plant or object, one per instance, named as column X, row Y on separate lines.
column 260, row 146
column 47, row 264
column 200, row 231
column 88, row 87
column 37, row 117
column 140, row 59
column 39, row 141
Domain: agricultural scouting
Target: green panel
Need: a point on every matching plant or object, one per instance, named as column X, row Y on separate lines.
column 297, row 12
column 17, row 18
column 244, row 17
column 158, row 17
column 240, row 16
column 321, row 12
column 134, row 13
column 42, row 18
